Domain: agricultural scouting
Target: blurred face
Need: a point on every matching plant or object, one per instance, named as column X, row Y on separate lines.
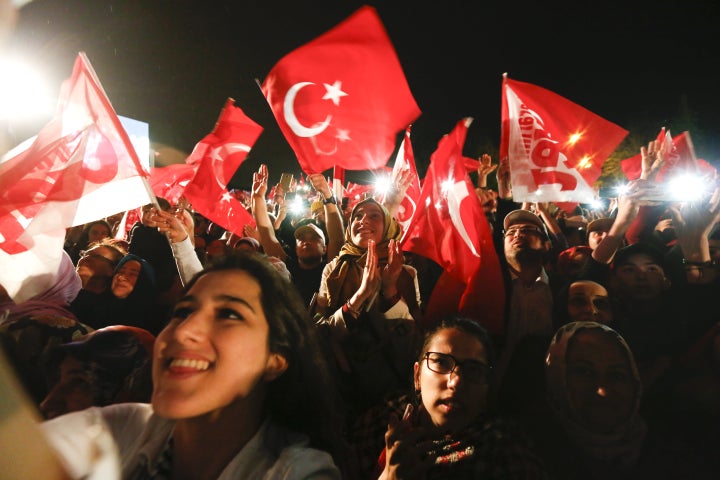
column 600, row 383
column 453, row 400
column 588, row 302
column 125, row 278
column 214, row 354
column 522, row 239
column 309, row 246
column 367, row 223
column 640, row 278
column 97, row 263
column 98, row 232
column 71, row 393
column 595, row 237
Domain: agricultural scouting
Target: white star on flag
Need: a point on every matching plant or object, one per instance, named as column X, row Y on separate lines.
column 333, row 92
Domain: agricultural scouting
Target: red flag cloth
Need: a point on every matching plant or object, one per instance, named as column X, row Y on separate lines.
column 169, row 182
column 450, row 228
column 218, row 157
column 471, row 164
column 80, row 167
column 679, row 157
column 555, row 147
column 342, row 98
column 445, row 227
column 404, row 161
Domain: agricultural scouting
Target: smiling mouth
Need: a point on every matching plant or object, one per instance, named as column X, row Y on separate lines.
column 188, row 363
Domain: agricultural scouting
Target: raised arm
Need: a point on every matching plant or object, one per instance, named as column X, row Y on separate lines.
column 333, row 216
column 271, row 245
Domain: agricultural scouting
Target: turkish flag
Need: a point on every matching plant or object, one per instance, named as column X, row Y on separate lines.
column 445, row 227
column 450, row 228
column 342, row 98
column 217, row 157
column 405, row 161
column 555, row 147
column 80, row 167
column 169, row 182
column 679, row 157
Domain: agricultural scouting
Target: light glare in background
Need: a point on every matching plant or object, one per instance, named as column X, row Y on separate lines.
column 23, row 94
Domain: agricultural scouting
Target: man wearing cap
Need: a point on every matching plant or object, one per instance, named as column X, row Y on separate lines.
column 309, row 259
column 597, row 230
column 530, row 300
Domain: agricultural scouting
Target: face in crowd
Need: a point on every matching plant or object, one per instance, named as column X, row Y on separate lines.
column 588, row 301
column 215, row 353
column 367, row 223
column 452, row 377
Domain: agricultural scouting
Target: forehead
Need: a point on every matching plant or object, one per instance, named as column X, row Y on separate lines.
column 461, row 344
column 308, row 236
column 640, row 259
column 367, row 208
column 235, row 283
column 131, row 265
column 598, row 347
column 587, row 288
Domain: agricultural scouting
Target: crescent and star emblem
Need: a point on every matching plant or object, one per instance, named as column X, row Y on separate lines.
column 332, row 92
column 219, row 154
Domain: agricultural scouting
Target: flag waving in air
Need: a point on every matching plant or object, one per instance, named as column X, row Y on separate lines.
column 555, row 147
column 405, row 165
column 450, row 228
column 679, row 157
column 342, row 98
column 218, row 157
column 80, row 167
column 445, row 227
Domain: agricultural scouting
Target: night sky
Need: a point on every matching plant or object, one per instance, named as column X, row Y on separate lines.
column 172, row 63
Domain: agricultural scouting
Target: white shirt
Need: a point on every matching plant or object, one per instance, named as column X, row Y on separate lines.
column 140, row 438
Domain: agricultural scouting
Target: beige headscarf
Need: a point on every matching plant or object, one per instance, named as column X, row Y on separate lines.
column 345, row 279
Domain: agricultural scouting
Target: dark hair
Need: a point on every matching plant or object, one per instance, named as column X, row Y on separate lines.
column 465, row 325
column 302, row 397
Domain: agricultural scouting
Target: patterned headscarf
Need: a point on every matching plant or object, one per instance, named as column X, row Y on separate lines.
column 621, row 446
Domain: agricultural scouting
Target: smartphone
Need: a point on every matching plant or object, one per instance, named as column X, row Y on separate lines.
column 285, row 181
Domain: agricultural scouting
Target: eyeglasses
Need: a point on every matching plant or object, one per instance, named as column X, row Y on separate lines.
column 444, row 364
column 511, row 232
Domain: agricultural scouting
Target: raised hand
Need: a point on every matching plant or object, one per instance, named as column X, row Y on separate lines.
column 391, row 272
column 405, row 449
column 260, row 178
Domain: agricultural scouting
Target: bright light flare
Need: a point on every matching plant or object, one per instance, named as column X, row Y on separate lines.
column 574, row 138
column 687, row 188
column 584, row 163
column 382, row 185
column 23, row 94
column 297, row 206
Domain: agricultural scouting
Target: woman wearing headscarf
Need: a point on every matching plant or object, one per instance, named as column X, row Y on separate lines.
column 594, row 392
column 132, row 298
column 367, row 306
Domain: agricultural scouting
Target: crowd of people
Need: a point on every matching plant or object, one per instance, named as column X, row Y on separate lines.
column 299, row 349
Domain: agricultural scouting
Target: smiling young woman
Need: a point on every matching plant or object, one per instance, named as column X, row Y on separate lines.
column 239, row 389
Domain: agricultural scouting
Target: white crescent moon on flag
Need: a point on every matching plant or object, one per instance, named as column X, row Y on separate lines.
column 289, row 112
column 455, row 197
column 218, row 155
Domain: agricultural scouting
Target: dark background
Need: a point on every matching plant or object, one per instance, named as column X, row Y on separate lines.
column 172, row 63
